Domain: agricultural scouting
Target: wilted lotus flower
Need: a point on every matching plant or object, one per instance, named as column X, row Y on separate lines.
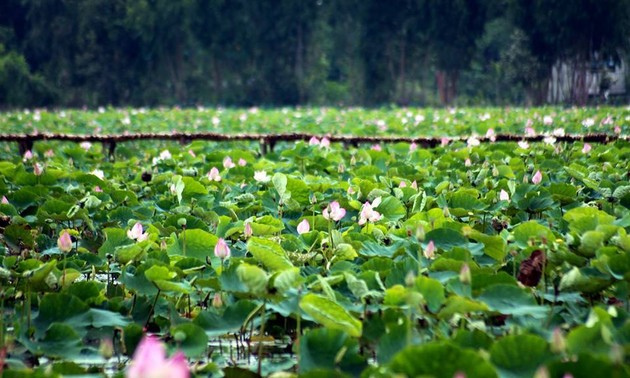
column 5, row 201
column 221, row 249
column 137, row 233
column 368, row 214
column 586, row 149
column 64, row 242
column 28, row 155
column 334, row 211
column 504, row 196
column 261, row 176
column 228, row 163
column 242, row 162
column 303, row 227
column 150, row 361
column 537, row 178
column 214, row 175
column 429, row 251
column 86, row 145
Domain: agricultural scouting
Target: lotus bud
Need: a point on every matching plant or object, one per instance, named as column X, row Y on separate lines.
column 537, row 178
column 217, row 301
column 5, row 201
column 464, row 275
column 420, row 233
column 558, row 342
column 64, row 242
column 429, row 251
column 221, row 249
column 410, row 278
column 106, row 348
column 248, row 232
column 303, row 227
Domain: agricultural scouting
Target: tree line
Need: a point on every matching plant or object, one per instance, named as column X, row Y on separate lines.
column 318, row 52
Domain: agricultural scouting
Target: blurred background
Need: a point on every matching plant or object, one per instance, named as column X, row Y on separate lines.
column 87, row 53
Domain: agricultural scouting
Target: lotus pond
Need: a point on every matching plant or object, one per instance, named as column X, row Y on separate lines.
column 318, row 259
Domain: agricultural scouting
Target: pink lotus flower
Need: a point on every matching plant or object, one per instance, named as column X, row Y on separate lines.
column 523, row 144
column 504, row 196
column 324, row 143
column 467, row 162
column 64, row 242
column 303, row 227
column 86, row 145
column 377, row 147
column 490, row 134
column 368, row 214
column 547, row 120
column 334, row 212
column 429, row 251
column 617, row 130
column 313, row 141
column 214, row 175
column 166, row 154
column 38, row 169
column 228, row 163
column 150, row 360
column 537, row 178
column 402, row 184
column 98, row 189
column 49, row 153
column 261, row 176
column 221, row 249
column 28, row 155
column 5, row 201
column 137, row 233
column 242, row 162
column 444, row 141
column 588, row 122
column 413, row 146
column 472, row 141
column 586, row 149
column 607, row 121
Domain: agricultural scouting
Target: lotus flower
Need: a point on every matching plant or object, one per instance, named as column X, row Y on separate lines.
column 228, row 163
column 5, row 201
column 377, row 147
column 547, row 120
column 313, row 141
column 368, row 214
column 248, row 230
column 588, row 122
column 86, row 145
column 402, row 184
column 64, row 242
column 429, row 251
column 242, row 162
column 473, row 141
column 586, row 149
column 261, row 176
column 98, row 173
column 221, row 249
column 149, row 361
column 28, row 155
column 537, row 178
column 414, row 185
column 303, row 227
column 38, row 169
column 166, row 154
column 217, row 301
column 413, row 146
column 137, row 233
column 444, row 141
column 334, row 212
column 504, row 196
column 214, row 175
column 523, row 144
column 324, row 143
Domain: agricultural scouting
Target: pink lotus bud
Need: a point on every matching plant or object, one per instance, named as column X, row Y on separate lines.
column 64, row 242
column 413, row 146
column 324, row 143
column 376, row 147
column 313, row 141
column 402, row 184
column 5, row 201
column 586, row 149
column 217, row 301
column 414, row 185
column 228, row 163
column 444, row 141
column 192, row 153
column 537, row 178
column 86, row 145
column 464, row 275
column 242, row 162
column 558, row 342
column 28, row 155
column 149, row 360
column 221, row 249
column 248, row 230
column 617, row 130
column 429, row 251
column 467, row 162
column 98, row 189
column 49, row 153
column 303, row 227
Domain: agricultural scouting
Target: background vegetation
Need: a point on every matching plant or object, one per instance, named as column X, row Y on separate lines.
column 332, row 52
